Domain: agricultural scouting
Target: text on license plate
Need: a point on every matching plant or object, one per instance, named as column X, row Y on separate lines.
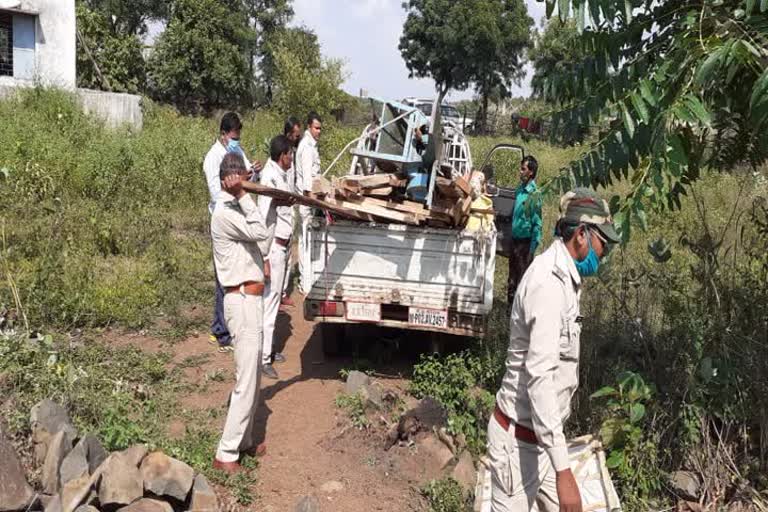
column 363, row 311
column 428, row 317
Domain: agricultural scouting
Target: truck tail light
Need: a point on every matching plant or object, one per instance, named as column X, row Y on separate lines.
column 328, row 308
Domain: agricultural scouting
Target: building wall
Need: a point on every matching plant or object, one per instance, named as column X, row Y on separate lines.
column 116, row 109
column 55, row 42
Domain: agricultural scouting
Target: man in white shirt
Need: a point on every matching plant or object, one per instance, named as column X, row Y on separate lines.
column 228, row 142
column 292, row 131
column 276, row 175
column 527, row 448
column 307, row 168
column 240, row 239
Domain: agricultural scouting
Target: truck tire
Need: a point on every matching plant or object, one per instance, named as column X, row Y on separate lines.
column 332, row 337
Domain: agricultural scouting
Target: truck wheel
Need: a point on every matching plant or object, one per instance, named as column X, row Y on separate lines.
column 332, row 337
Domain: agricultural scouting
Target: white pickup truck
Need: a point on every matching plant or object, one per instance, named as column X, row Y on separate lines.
column 411, row 277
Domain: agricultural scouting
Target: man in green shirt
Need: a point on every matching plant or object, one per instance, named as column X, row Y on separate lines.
column 526, row 225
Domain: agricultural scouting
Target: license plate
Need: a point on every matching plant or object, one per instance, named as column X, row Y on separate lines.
column 428, row 317
column 363, row 311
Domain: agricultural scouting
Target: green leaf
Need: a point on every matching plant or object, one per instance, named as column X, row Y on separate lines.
column 698, row 109
column 628, row 11
column 564, row 9
column 759, row 90
column 604, row 391
column 550, row 8
column 581, row 17
column 640, row 107
column 615, row 460
column 709, row 68
column 611, row 432
column 629, row 123
column 636, row 412
column 750, row 6
column 645, row 91
column 763, row 5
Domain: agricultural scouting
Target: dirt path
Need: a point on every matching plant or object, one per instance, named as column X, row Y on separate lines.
column 309, row 451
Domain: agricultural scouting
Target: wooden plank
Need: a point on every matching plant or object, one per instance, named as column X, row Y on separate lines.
column 365, row 206
column 377, row 192
column 396, row 182
column 259, row 189
column 405, row 206
column 372, row 181
column 448, row 188
column 321, row 187
column 463, row 185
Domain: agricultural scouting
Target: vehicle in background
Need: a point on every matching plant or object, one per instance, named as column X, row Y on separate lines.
column 448, row 113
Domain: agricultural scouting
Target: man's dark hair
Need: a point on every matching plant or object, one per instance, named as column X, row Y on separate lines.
column 289, row 124
column 230, row 122
column 533, row 165
column 280, row 145
column 313, row 116
column 232, row 164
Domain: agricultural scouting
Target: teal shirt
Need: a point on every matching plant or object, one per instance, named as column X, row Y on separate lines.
column 526, row 217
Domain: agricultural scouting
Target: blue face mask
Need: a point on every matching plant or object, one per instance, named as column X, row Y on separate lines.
column 589, row 265
column 233, row 146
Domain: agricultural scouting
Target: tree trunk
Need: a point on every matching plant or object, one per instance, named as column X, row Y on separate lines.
column 485, row 112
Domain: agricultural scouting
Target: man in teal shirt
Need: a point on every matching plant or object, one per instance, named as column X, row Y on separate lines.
column 526, row 225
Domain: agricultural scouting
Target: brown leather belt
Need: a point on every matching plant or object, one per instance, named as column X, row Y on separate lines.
column 522, row 433
column 283, row 242
column 248, row 287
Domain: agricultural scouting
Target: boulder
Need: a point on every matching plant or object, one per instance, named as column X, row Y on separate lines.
column 95, row 451
column 134, row 455
column 429, row 412
column 73, row 490
column 15, row 492
column 166, row 476
column 50, row 503
column 59, row 447
column 46, row 419
column 464, row 472
column 203, row 496
column 121, row 481
column 372, row 397
column 75, row 464
column 355, row 381
column 86, row 508
column 437, row 456
column 307, row 504
column 148, row 505
column 686, row 485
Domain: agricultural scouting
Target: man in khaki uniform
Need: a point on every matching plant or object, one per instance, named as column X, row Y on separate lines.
column 526, row 444
column 240, row 239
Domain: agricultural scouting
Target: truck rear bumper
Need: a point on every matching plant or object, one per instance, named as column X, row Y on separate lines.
column 396, row 316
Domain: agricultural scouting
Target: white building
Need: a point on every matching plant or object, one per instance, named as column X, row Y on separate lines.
column 38, row 43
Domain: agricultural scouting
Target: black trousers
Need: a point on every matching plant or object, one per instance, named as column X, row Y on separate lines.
column 520, row 258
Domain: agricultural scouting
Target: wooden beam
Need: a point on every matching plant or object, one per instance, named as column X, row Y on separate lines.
column 259, row 189
column 372, row 181
column 365, row 205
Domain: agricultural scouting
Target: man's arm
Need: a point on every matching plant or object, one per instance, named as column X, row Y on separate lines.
column 211, row 171
column 536, row 221
column 304, row 177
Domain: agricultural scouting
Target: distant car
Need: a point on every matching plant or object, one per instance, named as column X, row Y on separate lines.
column 447, row 112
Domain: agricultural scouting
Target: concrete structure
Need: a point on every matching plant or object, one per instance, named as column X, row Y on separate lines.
column 38, row 43
column 38, row 47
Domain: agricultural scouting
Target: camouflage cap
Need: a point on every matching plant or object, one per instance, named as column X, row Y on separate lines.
column 584, row 206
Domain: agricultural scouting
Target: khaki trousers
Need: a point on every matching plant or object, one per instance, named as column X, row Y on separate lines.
column 244, row 317
column 522, row 476
column 278, row 261
column 305, row 263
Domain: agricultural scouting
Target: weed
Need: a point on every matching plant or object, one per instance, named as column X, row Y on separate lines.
column 445, row 495
column 354, row 406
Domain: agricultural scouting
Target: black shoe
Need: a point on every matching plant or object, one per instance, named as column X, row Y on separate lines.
column 269, row 371
column 277, row 357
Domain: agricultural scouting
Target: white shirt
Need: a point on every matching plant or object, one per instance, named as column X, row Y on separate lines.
column 542, row 368
column 240, row 239
column 307, row 163
column 211, row 167
column 282, row 216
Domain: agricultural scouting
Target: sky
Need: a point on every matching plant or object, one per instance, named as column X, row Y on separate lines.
column 365, row 35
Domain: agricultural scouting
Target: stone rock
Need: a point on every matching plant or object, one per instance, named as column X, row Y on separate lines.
column 148, row 505
column 686, row 484
column 15, row 492
column 121, row 481
column 166, row 476
column 307, row 504
column 75, row 464
column 203, row 496
column 464, row 472
column 134, row 455
column 72, row 490
column 46, row 419
column 429, row 412
column 332, row 486
column 86, row 508
column 372, row 397
column 50, row 503
column 437, row 456
column 59, row 447
column 95, row 451
column 355, row 381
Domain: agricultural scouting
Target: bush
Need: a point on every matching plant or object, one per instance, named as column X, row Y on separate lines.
column 445, row 495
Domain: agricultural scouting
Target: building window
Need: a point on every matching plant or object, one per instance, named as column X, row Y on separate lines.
column 23, row 47
column 6, row 44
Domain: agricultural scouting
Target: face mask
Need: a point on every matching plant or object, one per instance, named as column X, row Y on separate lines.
column 233, row 146
column 589, row 265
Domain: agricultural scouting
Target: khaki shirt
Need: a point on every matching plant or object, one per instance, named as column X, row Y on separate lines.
column 542, row 368
column 307, row 164
column 281, row 217
column 240, row 238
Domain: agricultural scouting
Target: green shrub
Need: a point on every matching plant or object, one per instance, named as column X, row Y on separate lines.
column 445, row 495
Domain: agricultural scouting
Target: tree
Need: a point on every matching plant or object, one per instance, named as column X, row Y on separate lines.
column 201, row 60
column 686, row 82
column 555, row 50
column 463, row 42
column 304, row 80
column 128, row 17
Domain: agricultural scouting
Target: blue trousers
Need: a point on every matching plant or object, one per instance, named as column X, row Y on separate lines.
column 219, row 325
